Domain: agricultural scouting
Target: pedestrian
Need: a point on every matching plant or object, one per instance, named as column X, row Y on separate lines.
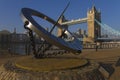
column 9, row 50
column 97, row 45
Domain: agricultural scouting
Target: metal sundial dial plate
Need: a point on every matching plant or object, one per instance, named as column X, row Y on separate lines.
column 74, row 46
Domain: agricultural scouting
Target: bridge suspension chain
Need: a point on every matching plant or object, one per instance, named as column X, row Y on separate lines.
column 108, row 30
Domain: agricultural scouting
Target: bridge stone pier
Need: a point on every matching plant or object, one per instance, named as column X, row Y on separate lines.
column 94, row 29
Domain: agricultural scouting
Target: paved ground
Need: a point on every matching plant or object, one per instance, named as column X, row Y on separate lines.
column 7, row 75
column 106, row 56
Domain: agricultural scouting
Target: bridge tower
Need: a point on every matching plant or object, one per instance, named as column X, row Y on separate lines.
column 60, row 30
column 94, row 30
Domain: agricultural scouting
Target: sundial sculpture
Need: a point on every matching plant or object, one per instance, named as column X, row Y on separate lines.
column 31, row 25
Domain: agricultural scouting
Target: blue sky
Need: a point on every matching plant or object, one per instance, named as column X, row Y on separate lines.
column 10, row 11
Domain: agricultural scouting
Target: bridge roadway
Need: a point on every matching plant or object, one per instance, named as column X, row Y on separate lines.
column 73, row 22
column 108, row 39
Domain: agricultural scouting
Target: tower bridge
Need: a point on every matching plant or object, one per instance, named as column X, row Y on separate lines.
column 94, row 29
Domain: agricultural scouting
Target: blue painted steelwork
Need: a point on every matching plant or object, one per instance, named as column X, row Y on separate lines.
column 111, row 34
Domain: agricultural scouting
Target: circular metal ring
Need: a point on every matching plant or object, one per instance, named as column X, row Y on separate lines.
column 26, row 14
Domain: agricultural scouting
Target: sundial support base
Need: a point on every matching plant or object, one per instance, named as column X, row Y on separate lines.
column 54, row 69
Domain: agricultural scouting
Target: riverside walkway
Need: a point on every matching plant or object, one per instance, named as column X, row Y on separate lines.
column 105, row 56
